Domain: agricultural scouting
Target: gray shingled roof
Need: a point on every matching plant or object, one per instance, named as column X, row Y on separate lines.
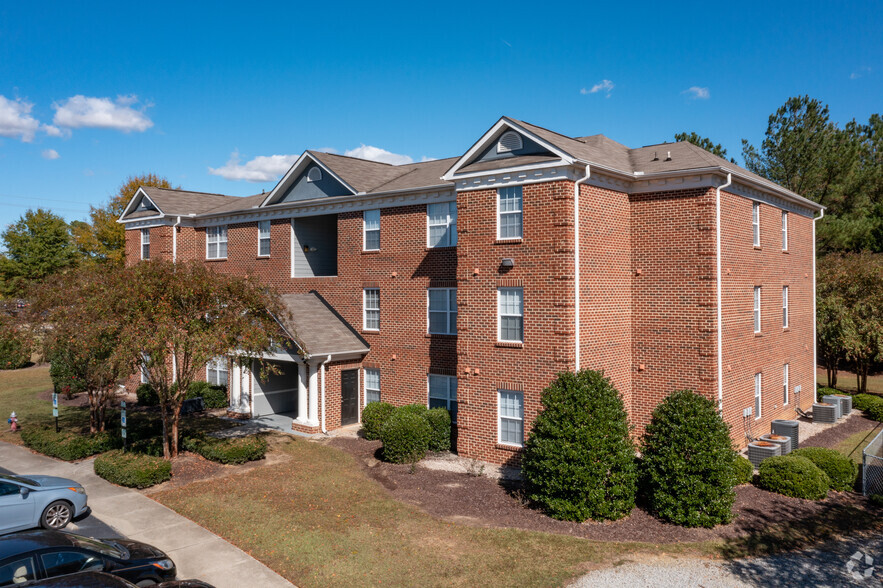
column 183, row 202
column 317, row 327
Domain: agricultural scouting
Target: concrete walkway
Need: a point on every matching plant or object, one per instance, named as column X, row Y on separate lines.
column 125, row 513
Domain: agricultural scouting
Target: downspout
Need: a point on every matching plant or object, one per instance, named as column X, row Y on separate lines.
column 175, row 240
column 576, row 268
column 327, row 359
column 815, row 335
column 720, row 299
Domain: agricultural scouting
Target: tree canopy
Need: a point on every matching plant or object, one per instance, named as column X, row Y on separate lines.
column 704, row 142
column 37, row 246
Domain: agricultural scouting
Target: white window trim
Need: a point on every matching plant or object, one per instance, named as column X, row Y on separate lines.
column 755, row 223
column 756, row 310
column 311, row 177
column 500, row 418
column 785, row 318
column 758, row 395
column 365, row 230
column 379, row 384
column 784, row 230
column 521, row 210
column 219, row 229
column 447, row 312
column 267, row 238
column 214, row 364
column 503, row 149
column 500, row 316
column 145, row 233
column 365, row 309
column 452, row 222
column 448, row 400
column 785, row 376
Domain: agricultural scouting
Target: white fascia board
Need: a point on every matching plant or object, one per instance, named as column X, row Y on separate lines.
column 511, row 170
column 297, row 168
column 491, row 134
column 132, row 201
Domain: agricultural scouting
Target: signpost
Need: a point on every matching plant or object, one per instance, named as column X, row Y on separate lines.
column 123, row 421
column 55, row 409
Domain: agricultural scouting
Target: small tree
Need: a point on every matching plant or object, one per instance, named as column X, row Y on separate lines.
column 579, row 460
column 37, row 246
column 15, row 345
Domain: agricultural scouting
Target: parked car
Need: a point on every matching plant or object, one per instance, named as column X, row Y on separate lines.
column 40, row 501
column 105, row 580
column 37, row 555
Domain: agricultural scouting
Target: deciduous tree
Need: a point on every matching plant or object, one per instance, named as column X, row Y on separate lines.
column 705, row 143
column 37, row 245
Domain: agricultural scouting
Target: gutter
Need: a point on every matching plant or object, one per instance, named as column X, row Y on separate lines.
column 720, row 297
column 175, row 240
column 322, row 366
column 815, row 335
column 576, row 273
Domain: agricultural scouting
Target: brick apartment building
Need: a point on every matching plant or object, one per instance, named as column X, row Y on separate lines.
column 470, row 282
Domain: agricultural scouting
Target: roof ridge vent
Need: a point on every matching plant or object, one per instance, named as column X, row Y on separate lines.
column 509, row 141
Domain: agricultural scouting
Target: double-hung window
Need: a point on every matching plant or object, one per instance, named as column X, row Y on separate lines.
column 442, row 311
column 784, row 307
column 511, row 415
column 371, row 224
column 755, row 222
column 216, row 371
column 216, row 242
column 785, row 385
column 757, row 309
column 509, row 213
column 443, row 393
column 371, row 309
column 441, row 222
column 145, row 243
column 510, row 314
column 372, row 385
column 758, row 383
column 145, row 377
column 264, row 238
column 784, row 230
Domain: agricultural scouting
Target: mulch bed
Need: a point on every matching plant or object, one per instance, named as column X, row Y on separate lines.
column 829, row 438
column 483, row 501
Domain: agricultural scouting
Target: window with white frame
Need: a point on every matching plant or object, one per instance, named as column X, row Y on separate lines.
column 784, row 307
column 509, row 213
column 216, row 372
column 784, row 230
column 443, row 393
column 145, row 243
column 216, row 242
column 755, row 222
column 371, row 309
column 441, row 222
column 145, row 377
column 757, row 309
column 758, row 393
column 442, row 305
column 511, row 411
column 314, row 175
column 371, row 223
column 510, row 314
column 785, row 385
column 264, row 238
column 372, row 385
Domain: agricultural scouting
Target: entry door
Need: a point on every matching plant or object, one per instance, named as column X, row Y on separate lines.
column 349, row 397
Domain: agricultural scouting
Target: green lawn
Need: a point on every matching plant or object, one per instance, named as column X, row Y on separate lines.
column 853, row 446
column 846, row 381
column 18, row 392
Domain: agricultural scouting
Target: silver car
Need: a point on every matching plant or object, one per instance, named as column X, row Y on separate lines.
column 40, row 501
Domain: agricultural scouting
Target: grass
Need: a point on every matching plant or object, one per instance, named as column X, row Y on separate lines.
column 852, row 446
column 319, row 521
column 846, row 381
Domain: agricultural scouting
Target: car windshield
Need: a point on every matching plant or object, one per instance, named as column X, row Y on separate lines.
column 105, row 546
column 19, row 480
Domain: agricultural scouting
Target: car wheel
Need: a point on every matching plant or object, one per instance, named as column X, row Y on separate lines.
column 56, row 516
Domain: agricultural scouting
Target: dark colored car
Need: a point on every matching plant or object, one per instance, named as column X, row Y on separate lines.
column 104, row 580
column 38, row 555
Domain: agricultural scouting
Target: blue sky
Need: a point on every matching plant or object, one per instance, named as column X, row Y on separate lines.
column 91, row 93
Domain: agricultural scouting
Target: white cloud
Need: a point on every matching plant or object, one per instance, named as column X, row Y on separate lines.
column 263, row 168
column 605, row 86
column 860, row 72
column 50, row 154
column 377, row 154
column 697, row 93
column 102, row 113
column 16, row 119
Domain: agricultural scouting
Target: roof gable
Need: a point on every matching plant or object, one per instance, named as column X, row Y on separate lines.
column 283, row 191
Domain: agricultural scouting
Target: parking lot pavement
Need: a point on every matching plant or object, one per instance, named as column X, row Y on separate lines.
column 125, row 513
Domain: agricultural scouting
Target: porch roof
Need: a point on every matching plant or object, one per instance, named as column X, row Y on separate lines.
column 318, row 329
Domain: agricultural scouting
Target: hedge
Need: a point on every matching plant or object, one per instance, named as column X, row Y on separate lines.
column 439, row 421
column 744, row 470
column 147, row 396
column 212, row 396
column 875, row 411
column 15, row 348
column 405, row 436
column 866, row 401
column 373, row 417
column 68, row 445
column 579, row 460
column 825, row 391
column 840, row 469
column 795, row 476
column 232, row 450
column 134, row 470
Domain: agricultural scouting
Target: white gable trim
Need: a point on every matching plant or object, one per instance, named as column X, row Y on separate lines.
column 134, row 199
column 491, row 136
column 295, row 170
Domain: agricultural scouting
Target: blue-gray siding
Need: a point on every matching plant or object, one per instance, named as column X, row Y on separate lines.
column 319, row 233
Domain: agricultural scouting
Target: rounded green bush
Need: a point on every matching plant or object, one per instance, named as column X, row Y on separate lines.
column 439, row 420
column 147, row 396
column 579, row 460
column 15, row 348
column 373, row 417
column 840, row 469
column 405, row 437
column 133, row 470
column 865, row 401
column 418, row 409
column 744, row 470
column 825, row 391
column 688, row 467
column 232, row 450
column 795, row 476
column 68, row 445
column 212, row 396
column 875, row 411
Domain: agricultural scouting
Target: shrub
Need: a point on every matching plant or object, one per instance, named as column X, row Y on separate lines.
column 68, row 445
column 212, row 396
column 865, row 401
column 233, row 450
column 825, row 391
column 688, row 462
column 744, row 470
column 405, row 436
column 418, row 409
column 150, row 446
column 795, row 476
column 876, row 500
column 579, row 460
column 875, row 411
column 840, row 469
column 439, row 421
column 147, row 396
column 133, row 470
column 373, row 417
column 15, row 348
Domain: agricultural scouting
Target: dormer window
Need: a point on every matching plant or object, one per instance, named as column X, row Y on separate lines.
column 314, row 175
column 510, row 141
